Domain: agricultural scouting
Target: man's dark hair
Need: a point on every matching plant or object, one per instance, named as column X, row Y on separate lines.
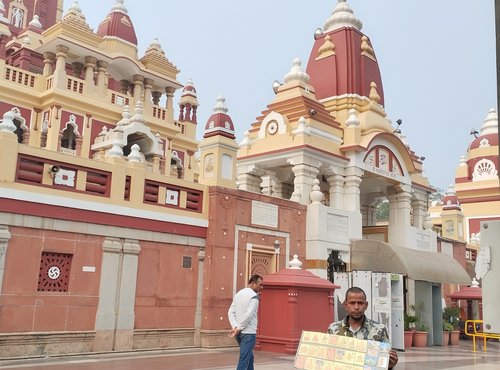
column 355, row 290
column 254, row 279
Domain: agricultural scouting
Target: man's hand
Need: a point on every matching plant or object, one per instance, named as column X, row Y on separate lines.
column 234, row 332
column 393, row 358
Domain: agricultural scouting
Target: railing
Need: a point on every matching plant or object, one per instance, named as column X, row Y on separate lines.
column 75, row 85
column 159, row 113
column 119, row 100
column 20, row 76
column 476, row 326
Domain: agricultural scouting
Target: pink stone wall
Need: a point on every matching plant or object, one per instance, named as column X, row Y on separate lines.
column 228, row 209
column 23, row 308
column 166, row 292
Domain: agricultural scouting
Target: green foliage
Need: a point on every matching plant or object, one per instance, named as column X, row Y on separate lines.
column 452, row 316
column 447, row 326
column 382, row 212
column 410, row 320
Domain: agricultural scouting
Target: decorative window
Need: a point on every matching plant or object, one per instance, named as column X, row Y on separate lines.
column 209, row 165
column 227, row 125
column 187, row 262
column 484, row 142
column 172, row 197
column 17, row 13
column 484, row 170
column 54, row 272
column 69, row 134
column 65, row 178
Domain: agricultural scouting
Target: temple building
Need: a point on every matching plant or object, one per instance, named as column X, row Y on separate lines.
column 119, row 230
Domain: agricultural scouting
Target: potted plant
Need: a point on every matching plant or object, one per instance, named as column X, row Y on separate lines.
column 409, row 328
column 420, row 335
column 447, row 328
column 451, row 314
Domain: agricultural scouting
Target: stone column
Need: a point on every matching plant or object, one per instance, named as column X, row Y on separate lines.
column 419, row 212
column 156, row 97
column 304, row 177
column 77, row 69
column 199, row 296
column 102, row 78
column 90, row 65
column 336, row 191
column 124, row 86
column 105, row 323
column 352, row 193
column 248, row 182
column 4, row 243
column 269, row 181
column 170, row 103
column 126, row 302
column 138, row 86
column 400, row 205
column 48, row 63
column 78, row 145
column 148, row 100
column 60, row 71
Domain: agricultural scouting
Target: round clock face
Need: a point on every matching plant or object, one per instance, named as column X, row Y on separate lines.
column 272, row 127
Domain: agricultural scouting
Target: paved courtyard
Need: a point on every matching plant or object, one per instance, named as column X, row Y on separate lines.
column 457, row 357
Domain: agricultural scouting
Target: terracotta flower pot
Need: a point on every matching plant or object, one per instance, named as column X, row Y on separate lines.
column 446, row 338
column 454, row 337
column 420, row 339
column 408, row 339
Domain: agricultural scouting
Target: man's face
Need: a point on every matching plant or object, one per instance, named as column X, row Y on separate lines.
column 257, row 286
column 356, row 305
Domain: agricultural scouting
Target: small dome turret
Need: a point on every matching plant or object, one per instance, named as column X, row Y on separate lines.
column 450, row 200
column 219, row 122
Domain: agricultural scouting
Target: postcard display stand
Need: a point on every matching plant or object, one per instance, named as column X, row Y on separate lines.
column 320, row 351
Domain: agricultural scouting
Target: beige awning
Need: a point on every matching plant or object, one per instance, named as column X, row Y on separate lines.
column 377, row 256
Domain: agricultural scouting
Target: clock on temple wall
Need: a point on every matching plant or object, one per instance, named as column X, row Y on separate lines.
column 272, row 127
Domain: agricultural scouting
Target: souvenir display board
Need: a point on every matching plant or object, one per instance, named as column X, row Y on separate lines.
column 320, row 351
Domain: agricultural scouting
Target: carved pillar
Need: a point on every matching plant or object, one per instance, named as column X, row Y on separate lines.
column 268, row 184
column 4, row 244
column 248, row 182
column 199, row 296
column 419, row 212
column 78, row 145
column 48, row 63
column 148, row 85
column 400, row 206
column 102, row 78
column 77, row 69
column 156, row 97
column 194, row 118
column 336, row 191
column 60, row 71
column 304, row 176
column 126, row 304
column 138, row 86
column 351, row 190
column 124, row 86
column 90, row 65
column 170, row 103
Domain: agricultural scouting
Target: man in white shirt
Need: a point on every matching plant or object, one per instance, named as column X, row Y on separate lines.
column 242, row 315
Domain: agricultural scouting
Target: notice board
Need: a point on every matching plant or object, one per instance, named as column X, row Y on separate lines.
column 321, row 351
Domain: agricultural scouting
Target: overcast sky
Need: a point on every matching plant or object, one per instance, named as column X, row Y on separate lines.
column 437, row 59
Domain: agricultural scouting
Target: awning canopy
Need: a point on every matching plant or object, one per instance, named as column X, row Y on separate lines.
column 374, row 255
column 471, row 292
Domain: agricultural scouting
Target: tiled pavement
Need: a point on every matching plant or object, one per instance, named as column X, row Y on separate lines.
column 432, row 358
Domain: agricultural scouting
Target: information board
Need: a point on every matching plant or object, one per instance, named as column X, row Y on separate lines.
column 320, row 351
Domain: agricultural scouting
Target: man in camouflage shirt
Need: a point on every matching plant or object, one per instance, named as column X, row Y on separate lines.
column 357, row 325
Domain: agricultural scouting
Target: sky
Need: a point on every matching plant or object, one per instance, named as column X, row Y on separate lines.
column 437, row 59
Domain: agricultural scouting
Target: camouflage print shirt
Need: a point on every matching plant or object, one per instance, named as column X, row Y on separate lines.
column 369, row 330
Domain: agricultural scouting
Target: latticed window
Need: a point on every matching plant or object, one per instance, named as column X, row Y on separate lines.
column 54, row 272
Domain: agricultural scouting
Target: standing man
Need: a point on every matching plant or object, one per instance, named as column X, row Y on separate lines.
column 242, row 315
column 357, row 325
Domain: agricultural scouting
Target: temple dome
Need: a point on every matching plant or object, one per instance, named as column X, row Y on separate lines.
column 450, row 200
column 342, row 59
column 118, row 24
column 488, row 135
